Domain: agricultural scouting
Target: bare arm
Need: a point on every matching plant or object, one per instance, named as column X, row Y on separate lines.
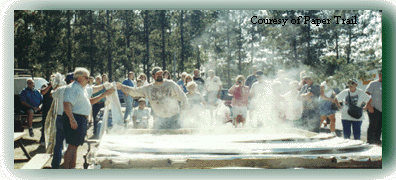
column 307, row 95
column 97, row 88
column 45, row 90
column 322, row 95
column 96, row 99
column 232, row 89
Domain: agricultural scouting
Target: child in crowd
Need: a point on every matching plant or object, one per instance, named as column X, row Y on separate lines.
column 141, row 115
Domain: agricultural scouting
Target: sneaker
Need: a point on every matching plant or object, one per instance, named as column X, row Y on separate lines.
column 31, row 134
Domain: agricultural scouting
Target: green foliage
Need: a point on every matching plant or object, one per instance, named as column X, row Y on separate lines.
column 119, row 41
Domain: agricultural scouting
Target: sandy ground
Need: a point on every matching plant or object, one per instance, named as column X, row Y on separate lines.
column 32, row 144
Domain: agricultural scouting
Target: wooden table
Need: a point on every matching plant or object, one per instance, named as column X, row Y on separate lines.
column 18, row 138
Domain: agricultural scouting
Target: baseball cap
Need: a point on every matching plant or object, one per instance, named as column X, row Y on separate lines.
column 69, row 76
column 142, row 100
column 352, row 81
column 259, row 73
column 155, row 70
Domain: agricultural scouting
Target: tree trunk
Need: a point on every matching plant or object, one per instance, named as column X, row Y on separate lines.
column 68, row 37
column 182, row 40
column 163, row 39
column 147, row 40
column 129, row 64
column 91, row 49
column 109, row 58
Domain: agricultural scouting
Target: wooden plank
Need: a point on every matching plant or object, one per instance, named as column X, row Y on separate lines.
column 37, row 162
column 19, row 135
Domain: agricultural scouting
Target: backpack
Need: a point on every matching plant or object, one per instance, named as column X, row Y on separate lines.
column 353, row 110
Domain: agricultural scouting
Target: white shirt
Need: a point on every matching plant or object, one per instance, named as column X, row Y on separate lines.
column 139, row 114
column 213, row 84
column 78, row 96
column 375, row 90
column 164, row 99
column 261, row 89
column 327, row 91
column 358, row 98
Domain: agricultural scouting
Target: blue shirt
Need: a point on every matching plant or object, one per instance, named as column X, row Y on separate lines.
column 180, row 82
column 127, row 82
column 31, row 97
column 79, row 97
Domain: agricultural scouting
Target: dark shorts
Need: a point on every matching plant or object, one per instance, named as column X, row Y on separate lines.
column 75, row 137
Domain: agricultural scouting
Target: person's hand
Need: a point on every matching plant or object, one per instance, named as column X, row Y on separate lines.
column 118, row 85
column 370, row 109
column 109, row 91
column 73, row 123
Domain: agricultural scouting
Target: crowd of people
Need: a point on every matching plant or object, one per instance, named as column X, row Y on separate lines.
column 304, row 104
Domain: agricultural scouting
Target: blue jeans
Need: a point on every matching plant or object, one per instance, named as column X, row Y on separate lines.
column 57, row 157
column 129, row 106
column 356, row 127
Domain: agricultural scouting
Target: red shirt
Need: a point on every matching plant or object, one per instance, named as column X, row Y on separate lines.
column 240, row 95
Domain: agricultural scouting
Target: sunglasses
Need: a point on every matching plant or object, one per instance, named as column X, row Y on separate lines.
column 351, row 83
column 86, row 77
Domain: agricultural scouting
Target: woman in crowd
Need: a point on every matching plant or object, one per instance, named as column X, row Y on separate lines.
column 166, row 75
column 325, row 103
column 195, row 98
column 239, row 101
column 143, row 77
column 186, row 81
column 196, row 113
column 352, row 96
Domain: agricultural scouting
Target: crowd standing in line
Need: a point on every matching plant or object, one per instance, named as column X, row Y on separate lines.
column 305, row 103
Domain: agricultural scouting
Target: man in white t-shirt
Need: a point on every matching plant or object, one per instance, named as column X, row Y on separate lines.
column 374, row 89
column 164, row 96
column 358, row 98
column 213, row 87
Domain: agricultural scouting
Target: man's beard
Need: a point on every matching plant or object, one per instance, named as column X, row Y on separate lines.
column 159, row 79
